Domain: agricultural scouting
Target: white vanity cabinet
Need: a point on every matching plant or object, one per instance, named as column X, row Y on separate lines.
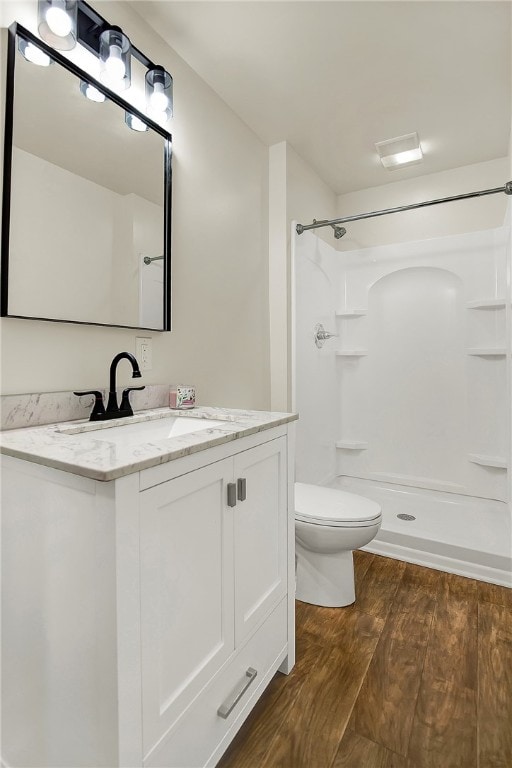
column 185, row 572
column 211, row 573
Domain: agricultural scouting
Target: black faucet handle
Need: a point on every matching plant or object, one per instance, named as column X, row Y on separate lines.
column 125, row 400
column 98, row 410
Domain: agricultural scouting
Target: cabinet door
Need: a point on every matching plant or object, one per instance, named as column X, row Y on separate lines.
column 186, row 592
column 260, row 525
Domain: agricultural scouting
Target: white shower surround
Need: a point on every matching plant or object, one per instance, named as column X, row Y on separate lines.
column 415, row 412
column 451, row 532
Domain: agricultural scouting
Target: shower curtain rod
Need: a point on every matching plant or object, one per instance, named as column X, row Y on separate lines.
column 339, row 231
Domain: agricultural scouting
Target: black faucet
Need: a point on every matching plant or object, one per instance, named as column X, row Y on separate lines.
column 113, row 410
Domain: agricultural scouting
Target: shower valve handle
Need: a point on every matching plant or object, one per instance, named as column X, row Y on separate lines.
column 322, row 335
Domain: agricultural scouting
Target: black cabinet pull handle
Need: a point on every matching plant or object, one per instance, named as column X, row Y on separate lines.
column 242, row 488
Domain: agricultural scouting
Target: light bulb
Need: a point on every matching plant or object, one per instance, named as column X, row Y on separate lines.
column 90, row 92
column 135, row 123
column 159, row 117
column 93, row 94
column 36, row 56
column 59, row 21
column 158, row 101
column 114, row 65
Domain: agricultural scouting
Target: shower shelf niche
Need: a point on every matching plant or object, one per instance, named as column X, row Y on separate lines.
column 351, row 352
column 487, row 304
column 352, row 445
column 497, row 462
column 352, row 313
column 487, row 352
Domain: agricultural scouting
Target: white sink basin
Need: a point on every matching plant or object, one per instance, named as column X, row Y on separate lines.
column 150, row 431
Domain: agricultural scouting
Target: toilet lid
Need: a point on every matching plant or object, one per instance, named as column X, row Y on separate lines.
column 329, row 506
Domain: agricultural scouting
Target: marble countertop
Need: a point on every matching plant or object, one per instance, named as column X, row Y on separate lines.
column 71, row 446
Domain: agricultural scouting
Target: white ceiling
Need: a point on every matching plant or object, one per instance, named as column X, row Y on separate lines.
column 332, row 78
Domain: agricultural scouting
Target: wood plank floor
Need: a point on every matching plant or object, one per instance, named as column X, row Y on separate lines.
column 416, row 674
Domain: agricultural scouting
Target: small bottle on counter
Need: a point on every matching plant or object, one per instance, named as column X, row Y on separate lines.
column 182, row 396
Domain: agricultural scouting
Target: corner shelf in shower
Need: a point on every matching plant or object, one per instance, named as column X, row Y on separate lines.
column 487, row 304
column 498, row 462
column 487, row 352
column 351, row 445
column 352, row 313
column 351, row 352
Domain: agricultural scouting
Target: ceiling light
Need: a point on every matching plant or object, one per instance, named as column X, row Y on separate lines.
column 57, row 22
column 401, row 151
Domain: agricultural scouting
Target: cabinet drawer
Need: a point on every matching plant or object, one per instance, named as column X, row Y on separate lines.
column 194, row 741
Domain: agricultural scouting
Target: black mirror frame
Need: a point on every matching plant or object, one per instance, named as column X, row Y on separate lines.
column 15, row 31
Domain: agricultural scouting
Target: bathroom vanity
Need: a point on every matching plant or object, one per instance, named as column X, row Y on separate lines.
column 148, row 585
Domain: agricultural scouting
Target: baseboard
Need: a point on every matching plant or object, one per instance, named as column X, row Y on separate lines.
column 441, row 562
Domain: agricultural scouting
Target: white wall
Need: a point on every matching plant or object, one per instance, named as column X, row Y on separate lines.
column 40, row 250
column 139, row 223
column 219, row 259
column 296, row 193
column 508, row 221
column 316, row 278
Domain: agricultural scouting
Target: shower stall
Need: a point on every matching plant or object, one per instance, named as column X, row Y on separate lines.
column 401, row 359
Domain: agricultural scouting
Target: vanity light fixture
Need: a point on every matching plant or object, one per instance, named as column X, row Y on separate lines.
column 159, row 94
column 401, row 151
column 115, row 52
column 63, row 23
column 115, row 58
column 90, row 92
column 135, row 123
column 33, row 54
column 57, row 23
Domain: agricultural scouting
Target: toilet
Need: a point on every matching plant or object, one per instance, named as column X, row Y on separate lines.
column 329, row 525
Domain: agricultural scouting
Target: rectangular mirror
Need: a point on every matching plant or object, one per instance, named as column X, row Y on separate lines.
column 86, row 201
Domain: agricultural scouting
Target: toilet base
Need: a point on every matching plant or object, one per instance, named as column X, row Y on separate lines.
column 325, row 579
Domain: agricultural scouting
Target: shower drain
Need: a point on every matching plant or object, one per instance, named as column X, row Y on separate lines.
column 406, row 517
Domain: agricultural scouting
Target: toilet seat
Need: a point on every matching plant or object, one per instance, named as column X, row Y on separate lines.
column 317, row 505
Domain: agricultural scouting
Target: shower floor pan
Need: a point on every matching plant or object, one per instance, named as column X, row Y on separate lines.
column 451, row 532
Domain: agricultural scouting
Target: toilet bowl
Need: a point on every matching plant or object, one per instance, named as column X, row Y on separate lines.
column 329, row 525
